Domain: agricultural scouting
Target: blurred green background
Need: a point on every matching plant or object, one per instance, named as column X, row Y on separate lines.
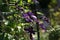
column 12, row 23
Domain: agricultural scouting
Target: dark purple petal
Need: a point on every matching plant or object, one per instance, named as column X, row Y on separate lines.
column 30, row 13
column 32, row 16
column 29, row 30
column 27, row 18
column 25, row 15
column 42, row 26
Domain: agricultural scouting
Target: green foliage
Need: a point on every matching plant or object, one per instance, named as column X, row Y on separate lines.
column 13, row 24
column 54, row 35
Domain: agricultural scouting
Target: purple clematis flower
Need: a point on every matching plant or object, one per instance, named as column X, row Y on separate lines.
column 32, row 16
column 27, row 18
column 46, row 22
column 42, row 26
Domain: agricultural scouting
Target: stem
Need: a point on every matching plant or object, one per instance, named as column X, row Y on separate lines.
column 38, row 34
column 37, row 25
